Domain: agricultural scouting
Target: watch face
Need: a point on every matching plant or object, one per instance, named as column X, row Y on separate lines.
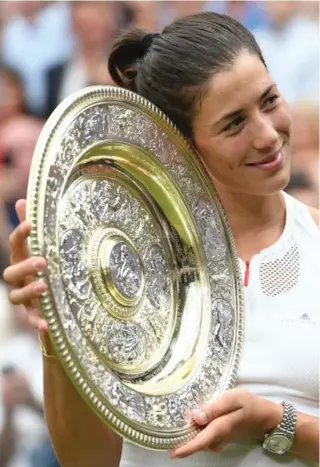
column 277, row 444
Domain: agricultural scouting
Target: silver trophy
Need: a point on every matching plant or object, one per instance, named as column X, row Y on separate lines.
column 144, row 303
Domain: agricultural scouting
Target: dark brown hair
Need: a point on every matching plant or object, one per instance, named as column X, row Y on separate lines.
column 173, row 69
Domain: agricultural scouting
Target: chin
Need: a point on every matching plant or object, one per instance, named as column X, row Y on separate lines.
column 274, row 184
column 281, row 179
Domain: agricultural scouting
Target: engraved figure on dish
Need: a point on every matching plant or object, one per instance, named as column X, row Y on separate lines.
column 125, row 268
column 110, row 201
column 158, row 271
column 74, row 271
column 126, row 343
column 222, row 334
column 94, row 126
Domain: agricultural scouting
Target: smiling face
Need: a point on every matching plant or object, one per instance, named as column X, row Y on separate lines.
column 242, row 130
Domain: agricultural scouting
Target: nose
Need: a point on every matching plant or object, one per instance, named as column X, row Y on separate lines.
column 265, row 136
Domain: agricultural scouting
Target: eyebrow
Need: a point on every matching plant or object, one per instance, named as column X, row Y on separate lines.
column 236, row 113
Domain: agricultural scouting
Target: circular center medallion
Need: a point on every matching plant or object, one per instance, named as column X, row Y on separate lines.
column 125, row 270
column 121, row 270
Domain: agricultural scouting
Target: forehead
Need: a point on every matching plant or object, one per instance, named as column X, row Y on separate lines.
column 236, row 88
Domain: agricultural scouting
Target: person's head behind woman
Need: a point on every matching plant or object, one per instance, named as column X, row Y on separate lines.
column 207, row 74
column 12, row 103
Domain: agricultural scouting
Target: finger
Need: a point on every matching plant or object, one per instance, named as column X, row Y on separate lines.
column 18, row 244
column 18, row 273
column 38, row 322
column 228, row 402
column 201, row 441
column 213, row 435
column 29, row 292
column 21, row 206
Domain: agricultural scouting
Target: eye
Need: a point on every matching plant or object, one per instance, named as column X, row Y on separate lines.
column 271, row 101
column 234, row 125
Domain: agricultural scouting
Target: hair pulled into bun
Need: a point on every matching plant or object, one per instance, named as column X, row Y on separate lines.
column 128, row 50
column 174, row 70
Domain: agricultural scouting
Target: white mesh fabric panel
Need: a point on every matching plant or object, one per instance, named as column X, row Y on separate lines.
column 278, row 276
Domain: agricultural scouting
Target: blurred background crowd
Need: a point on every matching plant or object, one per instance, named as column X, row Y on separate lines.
column 49, row 49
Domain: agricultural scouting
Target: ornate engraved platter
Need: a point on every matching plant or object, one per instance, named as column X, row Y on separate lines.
column 144, row 303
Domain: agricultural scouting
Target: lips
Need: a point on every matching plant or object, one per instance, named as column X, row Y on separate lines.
column 267, row 159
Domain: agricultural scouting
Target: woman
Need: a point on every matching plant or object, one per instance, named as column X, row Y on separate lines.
column 207, row 74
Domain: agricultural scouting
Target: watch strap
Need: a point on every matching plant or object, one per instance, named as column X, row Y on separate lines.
column 289, row 419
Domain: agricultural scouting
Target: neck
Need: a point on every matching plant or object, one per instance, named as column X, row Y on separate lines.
column 258, row 220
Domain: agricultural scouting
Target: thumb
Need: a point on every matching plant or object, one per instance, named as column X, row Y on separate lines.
column 21, row 209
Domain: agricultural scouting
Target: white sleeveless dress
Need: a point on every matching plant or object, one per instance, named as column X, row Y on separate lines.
column 280, row 357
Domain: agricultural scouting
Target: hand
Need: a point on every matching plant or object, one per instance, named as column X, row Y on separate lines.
column 17, row 391
column 23, row 267
column 238, row 414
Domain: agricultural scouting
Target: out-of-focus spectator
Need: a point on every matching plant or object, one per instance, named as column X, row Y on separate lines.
column 94, row 25
column 19, row 141
column 306, row 141
column 22, row 425
column 309, row 8
column 36, row 37
column 249, row 13
column 169, row 11
column 18, row 135
column 44, row 456
column 305, row 116
column 148, row 15
column 14, row 165
column 290, row 45
column 302, row 188
column 4, row 245
column 12, row 103
column 6, row 325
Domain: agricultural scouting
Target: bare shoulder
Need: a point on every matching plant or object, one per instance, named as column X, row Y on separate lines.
column 315, row 213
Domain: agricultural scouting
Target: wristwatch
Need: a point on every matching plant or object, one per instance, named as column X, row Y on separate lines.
column 280, row 440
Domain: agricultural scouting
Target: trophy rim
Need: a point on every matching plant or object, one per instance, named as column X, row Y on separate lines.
column 65, row 112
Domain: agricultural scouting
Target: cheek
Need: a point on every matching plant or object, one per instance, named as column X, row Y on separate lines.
column 223, row 155
column 283, row 120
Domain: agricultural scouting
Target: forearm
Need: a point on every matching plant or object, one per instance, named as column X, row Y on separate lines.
column 7, row 443
column 78, row 436
column 306, row 444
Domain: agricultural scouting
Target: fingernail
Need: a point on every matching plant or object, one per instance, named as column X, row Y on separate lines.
column 43, row 325
column 41, row 286
column 201, row 418
column 26, row 229
column 38, row 264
